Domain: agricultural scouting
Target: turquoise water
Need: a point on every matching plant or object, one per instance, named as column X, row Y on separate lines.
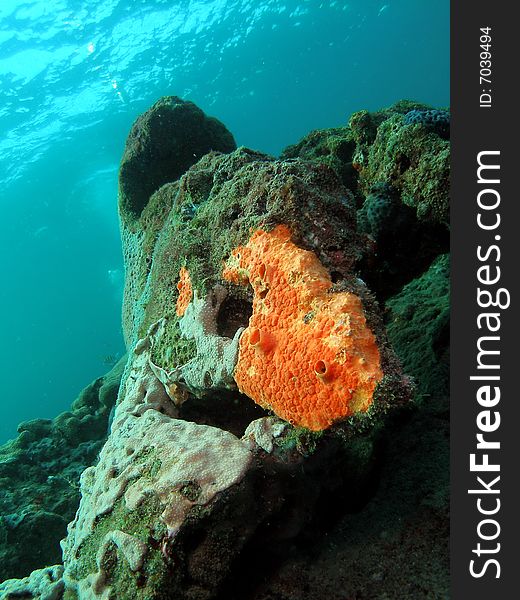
column 74, row 74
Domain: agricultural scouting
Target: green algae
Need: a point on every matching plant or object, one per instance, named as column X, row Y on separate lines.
column 418, row 327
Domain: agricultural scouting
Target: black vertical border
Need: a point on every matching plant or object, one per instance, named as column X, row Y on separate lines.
column 473, row 130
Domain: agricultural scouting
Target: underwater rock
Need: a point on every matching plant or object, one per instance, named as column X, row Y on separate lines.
column 415, row 160
column 405, row 146
column 39, row 477
column 163, row 143
column 42, row 584
column 181, row 272
column 333, row 147
column 418, row 325
column 180, row 495
column 262, row 407
column 171, row 504
column 403, row 246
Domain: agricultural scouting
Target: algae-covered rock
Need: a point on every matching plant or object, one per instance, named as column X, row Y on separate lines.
column 418, row 324
column 405, row 146
column 195, row 474
column 181, row 273
column 395, row 162
column 415, row 160
column 39, row 477
column 333, row 147
column 262, row 404
column 163, row 143
column 171, row 504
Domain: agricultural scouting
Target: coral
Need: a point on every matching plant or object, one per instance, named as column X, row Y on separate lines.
column 307, row 353
column 435, row 119
column 39, row 476
column 185, row 292
column 146, row 468
column 42, row 584
column 171, row 503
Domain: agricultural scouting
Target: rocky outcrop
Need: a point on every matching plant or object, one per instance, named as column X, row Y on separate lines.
column 396, row 163
column 163, row 143
column 263, row 414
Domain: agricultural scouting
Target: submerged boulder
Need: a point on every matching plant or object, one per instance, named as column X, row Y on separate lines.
column 258, row 364
column 163, row 143
column 244, row 247
column 171, row 503
column 261, row 402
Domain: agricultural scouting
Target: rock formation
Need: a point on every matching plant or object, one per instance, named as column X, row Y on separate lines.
column 262, row 402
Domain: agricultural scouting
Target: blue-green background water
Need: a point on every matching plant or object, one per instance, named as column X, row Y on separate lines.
column 74, row 74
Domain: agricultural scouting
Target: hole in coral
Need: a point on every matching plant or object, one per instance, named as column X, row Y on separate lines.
column 234, row 313
column 320, row 367
column 403, row 163
column 263, row 293
column 112, row 473
column 230, row 411
column 336, row 276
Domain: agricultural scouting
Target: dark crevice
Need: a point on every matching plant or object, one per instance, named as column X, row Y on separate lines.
column 234, row 313
column 230, row 411
column 320, row 492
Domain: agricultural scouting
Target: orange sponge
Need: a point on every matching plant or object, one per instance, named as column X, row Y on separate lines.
column 307, row 353
column 185, row 291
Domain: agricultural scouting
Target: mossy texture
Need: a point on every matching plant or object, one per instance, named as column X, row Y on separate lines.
column 163, row 143
column 418, row 322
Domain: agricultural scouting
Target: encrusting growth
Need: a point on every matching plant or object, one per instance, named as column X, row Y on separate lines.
column 307, row 353
column 185, row 291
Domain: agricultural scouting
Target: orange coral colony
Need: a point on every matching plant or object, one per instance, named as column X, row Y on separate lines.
column 185, row 291
column 307, row 353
